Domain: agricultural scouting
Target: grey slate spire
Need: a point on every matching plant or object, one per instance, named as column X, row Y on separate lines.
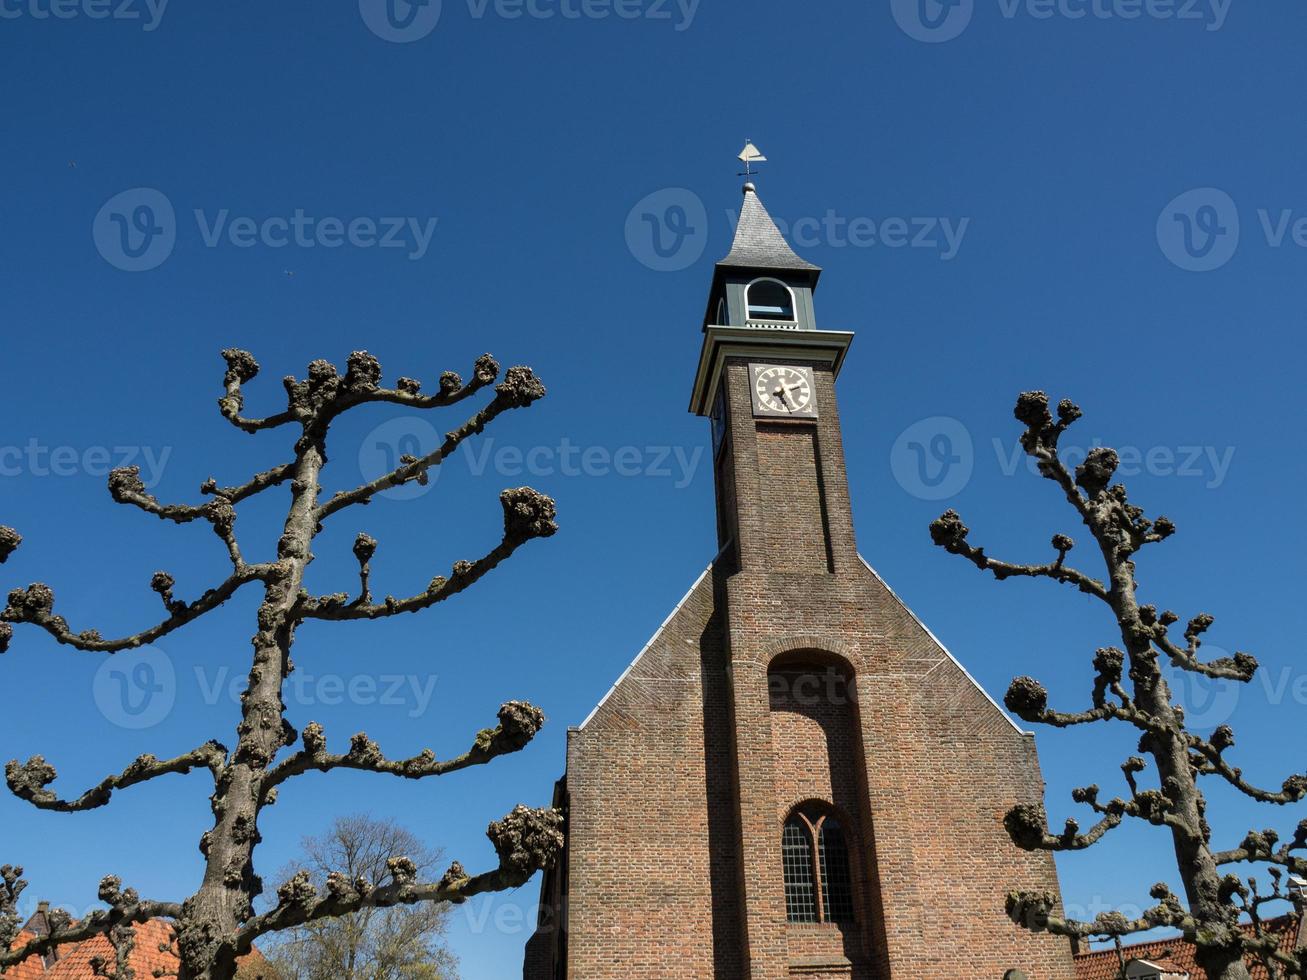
column 758, row 242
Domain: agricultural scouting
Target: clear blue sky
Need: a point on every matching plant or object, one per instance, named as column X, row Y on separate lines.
column 1053, row 146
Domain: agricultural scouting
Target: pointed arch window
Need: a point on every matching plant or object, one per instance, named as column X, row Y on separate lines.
column 769, row 299
column 815, row 861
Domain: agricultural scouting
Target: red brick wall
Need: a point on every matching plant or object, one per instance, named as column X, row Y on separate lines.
column 791, row 487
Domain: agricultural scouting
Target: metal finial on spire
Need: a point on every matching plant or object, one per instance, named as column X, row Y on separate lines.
column 750, row 155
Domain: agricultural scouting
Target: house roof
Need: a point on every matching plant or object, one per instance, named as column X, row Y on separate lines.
column 758, row 243
column 1102, row 964
column 74, row 962
column 30, row 968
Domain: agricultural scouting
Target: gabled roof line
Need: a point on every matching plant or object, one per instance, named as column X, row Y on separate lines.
column 966, row 673
column 867, row 565
column 652, row 640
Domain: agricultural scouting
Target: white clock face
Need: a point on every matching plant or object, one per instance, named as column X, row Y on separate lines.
column 781, row 390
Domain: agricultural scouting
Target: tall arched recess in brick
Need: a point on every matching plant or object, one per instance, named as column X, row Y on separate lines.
column 819, row 773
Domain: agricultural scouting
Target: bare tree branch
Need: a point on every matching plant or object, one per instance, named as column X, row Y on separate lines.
column 35, row 605
column 126, row 908
column 28, row 780
column 525, row 840
column 950, row 533
column 527, row 515
column 274, row 477
column 518, row 724
column 1027, row 825
column 519, row 389
column 1036, row 911
column 242, row 367
column 1260, row 846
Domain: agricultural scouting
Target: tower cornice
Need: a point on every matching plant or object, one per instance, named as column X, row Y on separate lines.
column 826, row 347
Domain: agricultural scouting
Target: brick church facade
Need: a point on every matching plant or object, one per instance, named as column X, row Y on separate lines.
column 794, row 778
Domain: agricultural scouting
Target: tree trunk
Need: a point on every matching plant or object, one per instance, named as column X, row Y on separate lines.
column 206, row 939
column 1199, row 872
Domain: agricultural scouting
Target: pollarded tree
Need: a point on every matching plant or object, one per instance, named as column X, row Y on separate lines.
column 218, row 923
column 1130, row 687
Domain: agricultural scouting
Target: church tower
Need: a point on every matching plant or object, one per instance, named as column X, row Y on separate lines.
column 793, row 778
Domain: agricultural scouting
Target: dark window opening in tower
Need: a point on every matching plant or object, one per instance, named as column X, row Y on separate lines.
column 770, row 300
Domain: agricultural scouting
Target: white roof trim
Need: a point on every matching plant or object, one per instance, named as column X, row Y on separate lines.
column 670, row 616
column 652, row 640
column 966, row 673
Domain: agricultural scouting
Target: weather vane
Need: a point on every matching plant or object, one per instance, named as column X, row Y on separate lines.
column 750, row 155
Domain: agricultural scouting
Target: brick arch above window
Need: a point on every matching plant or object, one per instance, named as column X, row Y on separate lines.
column 820, row 646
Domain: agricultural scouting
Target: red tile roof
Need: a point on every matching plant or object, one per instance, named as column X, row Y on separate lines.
column 74, row 961
column 30, row 968
column 1102, row 964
